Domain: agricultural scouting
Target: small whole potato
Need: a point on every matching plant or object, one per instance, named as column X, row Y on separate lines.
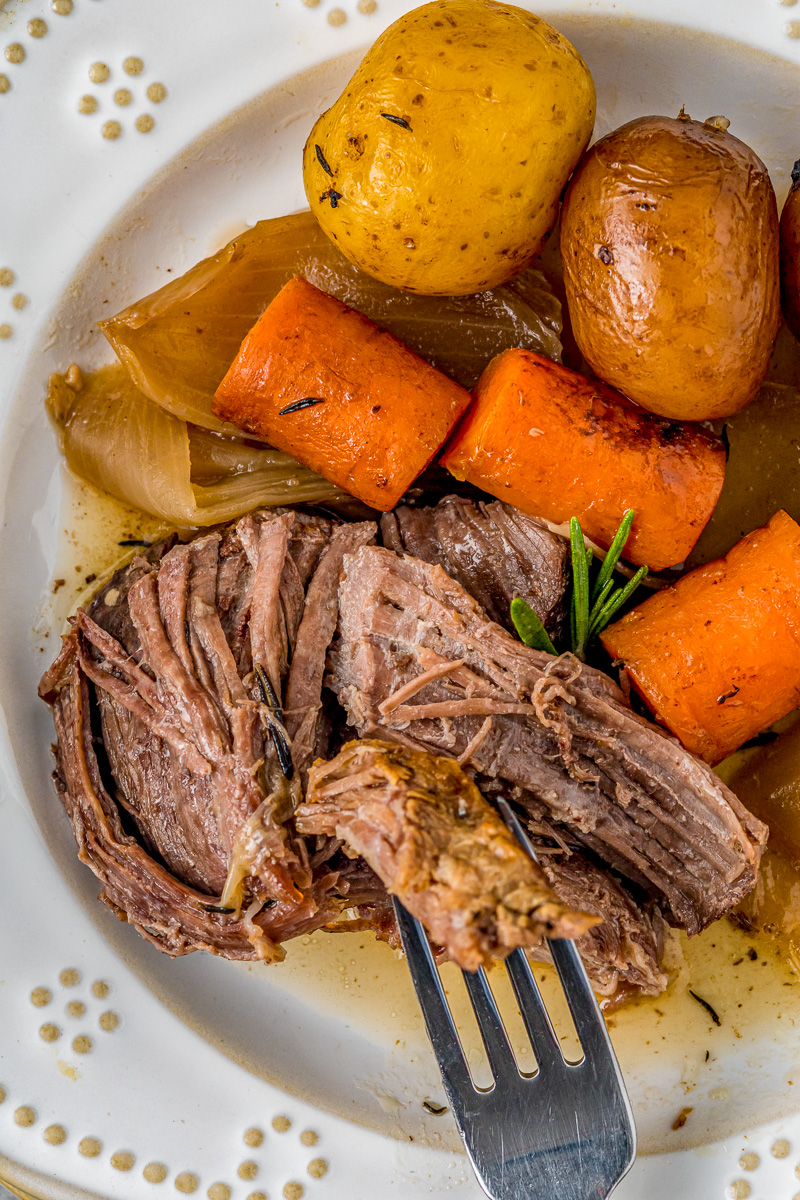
column 440, row 167
column 669, row 236
column 790, row 254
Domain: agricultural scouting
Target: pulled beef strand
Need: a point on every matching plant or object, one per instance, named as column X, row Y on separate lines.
column 424, row 828
column 314, row 636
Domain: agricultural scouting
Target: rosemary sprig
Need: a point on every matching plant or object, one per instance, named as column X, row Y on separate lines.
column 601, row 616
column 580, row 590
column 613, row 555
column 591, row 608
column 529, row 627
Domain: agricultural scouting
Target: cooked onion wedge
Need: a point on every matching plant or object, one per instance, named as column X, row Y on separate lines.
column 179, row 342
column 120, row 441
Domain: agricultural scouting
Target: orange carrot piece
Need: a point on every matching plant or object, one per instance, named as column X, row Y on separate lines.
column 558, row 445
column 717, row 656
column 380, row 412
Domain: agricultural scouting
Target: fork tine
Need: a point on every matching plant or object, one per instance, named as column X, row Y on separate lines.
column 517, row 828
column 490, row 1023
column 589, row 1024
column 439, row 1021
column 534, row 1014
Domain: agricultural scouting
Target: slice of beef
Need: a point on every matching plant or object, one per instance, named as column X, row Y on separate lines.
column 623, row 952
column 166, row 759
column 303, row 709
column 424, row 828
column 493, row 550
column 418, row 661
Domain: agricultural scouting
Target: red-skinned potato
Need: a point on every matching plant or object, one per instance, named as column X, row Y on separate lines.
column 669, row 235
column 790, row 254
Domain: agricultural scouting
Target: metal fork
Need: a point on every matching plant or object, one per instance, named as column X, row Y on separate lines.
column 565, row 1132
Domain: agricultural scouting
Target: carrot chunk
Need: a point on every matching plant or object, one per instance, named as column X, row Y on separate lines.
column 558, row 445
column 323, row 383
column 717, row 656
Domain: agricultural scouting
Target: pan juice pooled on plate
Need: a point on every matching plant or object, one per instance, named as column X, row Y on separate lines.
column 408, row 553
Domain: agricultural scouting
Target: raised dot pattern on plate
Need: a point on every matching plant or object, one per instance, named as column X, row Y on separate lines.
column 42, row 997
column 16, row 301
column 123, row 87
column 16, row 52
column 762, row 1169
column 186, row 1182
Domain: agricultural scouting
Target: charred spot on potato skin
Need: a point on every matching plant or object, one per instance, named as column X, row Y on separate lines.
column 605, row 254
column 355, row 144
column 796, row 176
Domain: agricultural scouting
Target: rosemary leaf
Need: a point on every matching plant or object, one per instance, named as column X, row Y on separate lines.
column 600, row 601
column 529, row 627
column 580, row 589
column 615, row 602
column 613, row 556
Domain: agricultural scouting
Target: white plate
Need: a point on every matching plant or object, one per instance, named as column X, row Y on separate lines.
column 86, row 224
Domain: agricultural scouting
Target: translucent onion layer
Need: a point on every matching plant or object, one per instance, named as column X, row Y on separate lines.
column 120, row 441
column 178, row 342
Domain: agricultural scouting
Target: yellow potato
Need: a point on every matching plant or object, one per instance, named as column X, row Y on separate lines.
column 440, row 167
